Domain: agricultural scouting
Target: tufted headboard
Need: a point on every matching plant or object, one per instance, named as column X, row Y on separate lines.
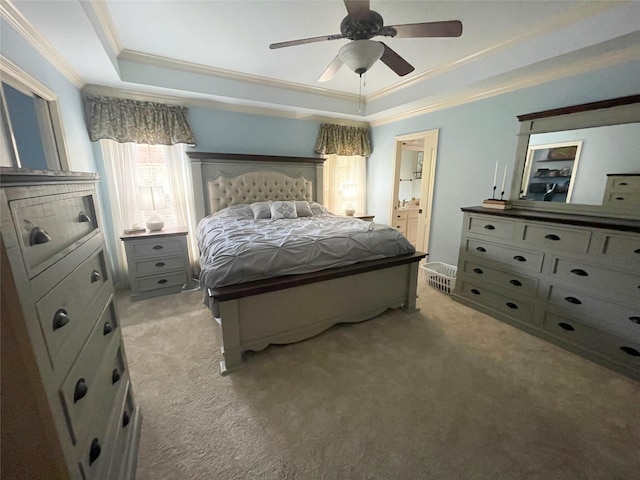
column 224, row 179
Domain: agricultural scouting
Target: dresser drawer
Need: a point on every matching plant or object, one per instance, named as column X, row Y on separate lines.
column 556, row 237
column 155, row 282
column 158, row 266
column 68, row 312
column 624, row 183
column 597, row 278
column 48, row 227
column 491, row 227
column 123, row 425
column 622, row 199
column 156, row 247
column 518, row 284
column 516, row 257
column 92, row 380
column 615, row 318
column 513, row 307
column 622, row 247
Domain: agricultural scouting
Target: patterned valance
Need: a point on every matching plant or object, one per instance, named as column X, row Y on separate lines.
column 134, row 121
column 343, row 140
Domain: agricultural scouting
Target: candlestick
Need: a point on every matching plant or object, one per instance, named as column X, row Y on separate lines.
column 504, row 178
column 495, row 176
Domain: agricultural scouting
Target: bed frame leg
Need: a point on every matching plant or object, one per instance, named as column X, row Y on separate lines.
column 230, row 325
column 232, row 361
column 412, row 289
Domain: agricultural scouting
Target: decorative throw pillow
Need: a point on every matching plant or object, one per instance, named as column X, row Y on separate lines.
column 303, row 209
column 317, row 208
column 281, row 209
column 261, row 210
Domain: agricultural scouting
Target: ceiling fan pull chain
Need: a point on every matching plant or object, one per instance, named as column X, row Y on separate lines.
column 360, row 95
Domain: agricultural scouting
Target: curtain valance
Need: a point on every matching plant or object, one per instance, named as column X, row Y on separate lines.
column 125, row 120
column 343, row 140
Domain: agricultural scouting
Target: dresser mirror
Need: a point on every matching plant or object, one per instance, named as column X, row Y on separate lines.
column 565, row 156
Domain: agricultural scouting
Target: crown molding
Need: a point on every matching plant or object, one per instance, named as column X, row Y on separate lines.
column 578, row 14
column 19, row 79
column 37, row 41
column 101, row 11
column 576, row 68
column 172, row 64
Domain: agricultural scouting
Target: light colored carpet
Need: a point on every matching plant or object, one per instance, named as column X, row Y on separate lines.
column 445, row 393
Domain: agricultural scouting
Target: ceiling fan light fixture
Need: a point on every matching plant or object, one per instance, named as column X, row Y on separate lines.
column 360, row 55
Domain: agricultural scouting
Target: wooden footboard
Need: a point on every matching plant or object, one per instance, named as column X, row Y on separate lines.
column 293, row 308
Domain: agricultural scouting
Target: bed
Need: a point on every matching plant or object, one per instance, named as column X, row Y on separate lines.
column 257, row 290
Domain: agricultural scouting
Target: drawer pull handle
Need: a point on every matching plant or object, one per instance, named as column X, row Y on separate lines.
column 553, row 237
column 125, row 419
column 475, row 291
column 630, row 351
column 107, row 329
column 635, row 320
column 38, row 236
column 520, row 258
column 478, row 271
column 163, row 280
column 158, row 247
column 80, row 391
column 95, row 276
column 60, row 319
column 489, row 227
column 115, row 376
column 160, row 264
column 481, row 249
column 512, row 305
column 566, row 326
column 623, row 184
column 94, row 451
column 515, row 282
column 573, row 300
column 619, row 198
column 637, row 250
column 83, row 218
column 579, row 272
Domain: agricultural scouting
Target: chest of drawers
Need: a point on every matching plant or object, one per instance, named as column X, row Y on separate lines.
column 158, row 262
column 565, row 278
column 622, row 192
column 68, row 409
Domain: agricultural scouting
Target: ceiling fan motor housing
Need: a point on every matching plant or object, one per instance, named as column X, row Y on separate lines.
column 365, row 29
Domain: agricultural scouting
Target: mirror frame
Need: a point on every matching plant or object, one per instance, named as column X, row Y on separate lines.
column 595, row 114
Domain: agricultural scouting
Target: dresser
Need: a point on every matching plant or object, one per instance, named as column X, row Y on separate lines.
column 68, row 410
column 158, row 262
column 622, row 192
column 571, row 279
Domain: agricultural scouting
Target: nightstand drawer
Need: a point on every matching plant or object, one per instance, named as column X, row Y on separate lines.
column 558, row 238
column 160, row 247
column 156, row 282
column 157, row 266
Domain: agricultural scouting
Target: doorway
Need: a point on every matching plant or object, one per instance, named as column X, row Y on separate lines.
column 414, row 170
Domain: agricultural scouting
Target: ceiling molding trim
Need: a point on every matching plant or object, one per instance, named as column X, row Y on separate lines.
column 107, row 26
column 37, row 41
column 18, row 79
column 578, row 14
column 605, row 60
column 169, row 63
column 215, row 105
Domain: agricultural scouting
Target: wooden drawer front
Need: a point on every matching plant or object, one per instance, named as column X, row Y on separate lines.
column 69, row 311
column 123, row 424
column 615, row 318
column 97, row 451
column 401, row 215
column 622, row 199
column 596, row 278
column 146, row 267
column 556, row 237
column 491, row 227
column 90, row 381
column 161, row 246
column 518, row 284
column 515, row 257
column 62, row 220
column 515, row 308
column 621, row 350
column 623, row 247
column 155, row 282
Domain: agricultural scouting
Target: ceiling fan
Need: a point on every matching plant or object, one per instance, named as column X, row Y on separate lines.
column 360, row 25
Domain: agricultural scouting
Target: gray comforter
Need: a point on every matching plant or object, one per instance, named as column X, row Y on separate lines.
column 236, row 248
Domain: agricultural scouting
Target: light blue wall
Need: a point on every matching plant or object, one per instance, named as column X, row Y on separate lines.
column 472, row 137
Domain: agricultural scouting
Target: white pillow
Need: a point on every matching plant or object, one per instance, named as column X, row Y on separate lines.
column 303, row 209
column 280, row 209
column 261, row 210
column 317, row 208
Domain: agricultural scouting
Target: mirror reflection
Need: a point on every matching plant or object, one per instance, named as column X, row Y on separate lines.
column 411, row 173
column 572, row 166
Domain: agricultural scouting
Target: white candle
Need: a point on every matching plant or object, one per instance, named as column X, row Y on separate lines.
column 504, row 178
column 495, row 176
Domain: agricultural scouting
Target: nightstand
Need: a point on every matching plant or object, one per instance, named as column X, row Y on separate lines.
column 158, row 262
column 365, row 217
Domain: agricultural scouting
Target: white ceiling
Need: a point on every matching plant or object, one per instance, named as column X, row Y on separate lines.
column 217, row 51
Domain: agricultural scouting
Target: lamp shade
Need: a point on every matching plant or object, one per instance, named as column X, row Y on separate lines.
column 152, row 198
column 360, row 55
column 349, row 193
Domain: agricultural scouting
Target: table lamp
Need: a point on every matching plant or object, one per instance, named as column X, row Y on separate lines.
column 349, row 194
column 151, row 200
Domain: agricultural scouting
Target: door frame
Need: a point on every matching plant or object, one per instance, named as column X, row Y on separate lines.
column 430, row 149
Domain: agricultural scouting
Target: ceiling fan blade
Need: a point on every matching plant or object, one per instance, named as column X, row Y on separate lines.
column 302, row 41
column 395, row 62
column 331, row 70
column 358, row 9
column 450, row 28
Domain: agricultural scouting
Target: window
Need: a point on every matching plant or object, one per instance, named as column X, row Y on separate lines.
column 343, row 175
